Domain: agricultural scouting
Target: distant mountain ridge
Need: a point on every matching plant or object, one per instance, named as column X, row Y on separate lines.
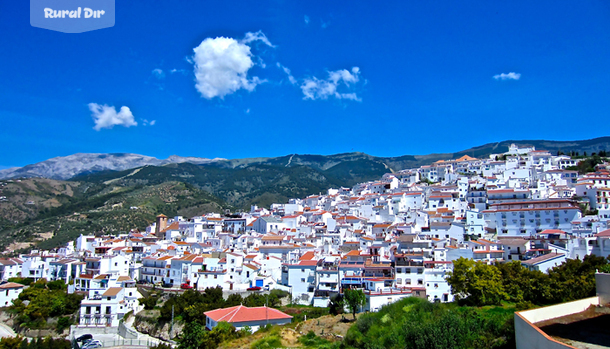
column 66, row 167
column 83, row 163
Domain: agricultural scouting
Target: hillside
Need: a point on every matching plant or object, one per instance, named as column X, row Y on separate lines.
column 254, row 184
column 55, row 212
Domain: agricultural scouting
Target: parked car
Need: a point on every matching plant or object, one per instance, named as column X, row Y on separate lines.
column 85, row 337
column 185, row 286
column 92, row 344
column 167, row 285
column 254, row 288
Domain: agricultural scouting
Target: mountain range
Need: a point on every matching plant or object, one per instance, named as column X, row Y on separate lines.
column 80, row 164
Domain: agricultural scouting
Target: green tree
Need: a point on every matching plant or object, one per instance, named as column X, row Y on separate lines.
column 233, row 300
column 192, row 336
column 148, row 302
column 523, row 285
column 336, row 305
column 575, row 279
column 354, row 299
column 476, row 283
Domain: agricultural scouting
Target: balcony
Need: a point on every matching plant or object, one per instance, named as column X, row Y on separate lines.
column 402, row 263
column 323, row 268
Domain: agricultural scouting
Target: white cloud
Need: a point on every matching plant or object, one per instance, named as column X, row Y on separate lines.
column 256, row 37
column 158, row 73
column 181, row 71
column 306, row 19
column 145, row 122
column 509, row 76
column 314, row 88
column 106, row 116
column 222, row 65
column 291, row 78
column 152, row 123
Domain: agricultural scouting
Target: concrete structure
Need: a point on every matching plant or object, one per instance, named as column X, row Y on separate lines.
column 528, row 334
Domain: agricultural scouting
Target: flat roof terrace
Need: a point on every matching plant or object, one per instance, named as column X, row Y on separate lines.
column 586, row 329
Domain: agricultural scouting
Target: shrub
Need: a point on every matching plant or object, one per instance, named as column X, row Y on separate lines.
column 63, row 323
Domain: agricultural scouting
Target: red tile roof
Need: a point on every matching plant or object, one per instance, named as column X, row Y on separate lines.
column 604, row 233
column 241, row 313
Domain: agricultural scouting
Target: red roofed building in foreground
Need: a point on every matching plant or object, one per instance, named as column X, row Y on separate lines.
column 241, row 316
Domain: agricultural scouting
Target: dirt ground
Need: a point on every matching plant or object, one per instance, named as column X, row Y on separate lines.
column 329, row 327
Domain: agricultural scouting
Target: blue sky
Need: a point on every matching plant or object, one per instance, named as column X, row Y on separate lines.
column 385, row 78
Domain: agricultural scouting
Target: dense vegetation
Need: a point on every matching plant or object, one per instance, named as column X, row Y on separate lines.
column 416, row 323
column 38, row 343
column 42, row 301
column 478, row 284
column 587, row 164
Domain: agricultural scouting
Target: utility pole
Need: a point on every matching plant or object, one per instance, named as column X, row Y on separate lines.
column 171, row 327
column 267, row 308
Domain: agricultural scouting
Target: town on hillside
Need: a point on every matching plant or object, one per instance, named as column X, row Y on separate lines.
column 392, row 238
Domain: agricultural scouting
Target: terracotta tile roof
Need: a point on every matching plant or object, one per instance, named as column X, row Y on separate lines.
column 542, row 258
column 112, row 291
column 173, row 226
column 307, row 256
column 11, row 285
column 605, row 233
column 241, row 313
column 308, row 263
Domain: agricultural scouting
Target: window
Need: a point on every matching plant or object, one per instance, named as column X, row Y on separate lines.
column 302, row 279
column 420, row 282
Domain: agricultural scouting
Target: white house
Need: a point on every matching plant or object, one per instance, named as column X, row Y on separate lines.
column 241, row 316
column 9, row 291
column 544, row 262
column 525, row 218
